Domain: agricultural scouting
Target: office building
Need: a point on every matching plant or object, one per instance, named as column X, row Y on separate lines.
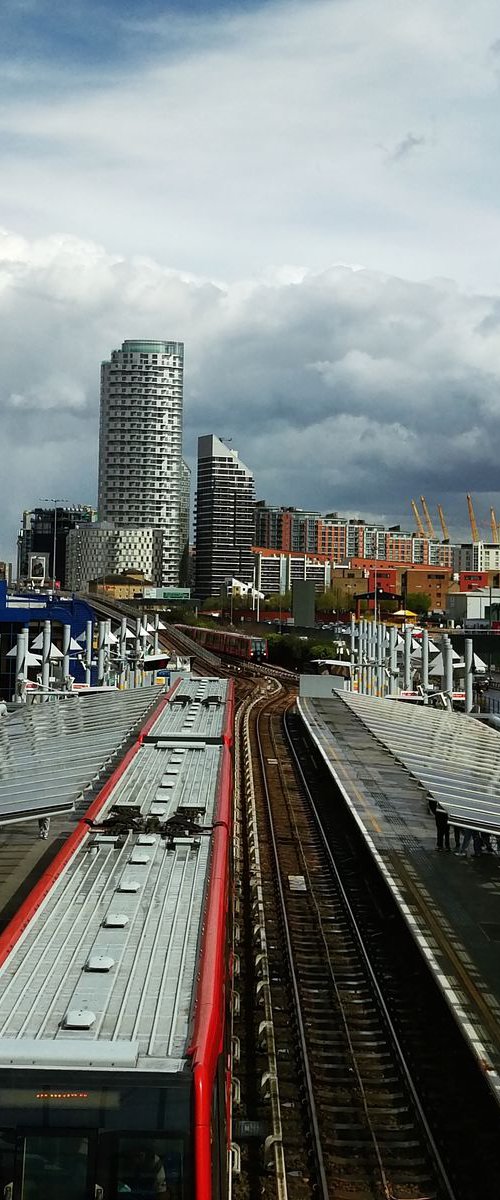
column 225, row 507
column 36, row 541
column 140, row 443
column 97, row 551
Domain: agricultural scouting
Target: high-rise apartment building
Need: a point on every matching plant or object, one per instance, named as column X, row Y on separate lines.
column 225, row 506
column 140, row 442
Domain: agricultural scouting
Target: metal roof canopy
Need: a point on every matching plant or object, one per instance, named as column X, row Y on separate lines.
column 51, row 753
column 454, row 758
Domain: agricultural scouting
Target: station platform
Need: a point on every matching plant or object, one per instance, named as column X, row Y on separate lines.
column 450, row 903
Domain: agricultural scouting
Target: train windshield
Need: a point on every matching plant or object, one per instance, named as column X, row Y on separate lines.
column 95, row 1144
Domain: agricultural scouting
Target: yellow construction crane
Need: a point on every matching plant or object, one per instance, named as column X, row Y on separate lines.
column 427, row 516
column 494, row 526
column 444, row 527
column 472, row 518
column 418, row 520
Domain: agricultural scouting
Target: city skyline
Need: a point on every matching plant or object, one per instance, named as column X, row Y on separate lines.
column 318, row 231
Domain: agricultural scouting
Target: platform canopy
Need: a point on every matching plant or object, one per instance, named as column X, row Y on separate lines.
column 51, row 753
column 454, row 757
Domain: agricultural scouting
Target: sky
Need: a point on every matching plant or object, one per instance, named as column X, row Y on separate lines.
column 305, row 193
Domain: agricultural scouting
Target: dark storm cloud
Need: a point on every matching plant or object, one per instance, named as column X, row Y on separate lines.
column 346, row 389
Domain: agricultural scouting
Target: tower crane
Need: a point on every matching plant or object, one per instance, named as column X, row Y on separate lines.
column 427, row 516
column 494, row 526
column 444, row 527
column 472, row 519
column 418, row 520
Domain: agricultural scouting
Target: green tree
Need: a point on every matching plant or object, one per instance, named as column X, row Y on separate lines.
column 336, row 599
column 277, row 600
column 212, row 603
column 418, row 602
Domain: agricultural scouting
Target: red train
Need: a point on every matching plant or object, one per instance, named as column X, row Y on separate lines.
column 222, row 641
column 115, row 984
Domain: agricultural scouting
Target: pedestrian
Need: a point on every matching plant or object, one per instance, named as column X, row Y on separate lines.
column 43, row 828
column 476, row 841
column 442, row 828
column 457, row 830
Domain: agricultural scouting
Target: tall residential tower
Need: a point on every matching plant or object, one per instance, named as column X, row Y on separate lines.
column 140, row 442
column 225, row 503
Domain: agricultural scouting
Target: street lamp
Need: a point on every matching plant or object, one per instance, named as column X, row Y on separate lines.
column 55, row 502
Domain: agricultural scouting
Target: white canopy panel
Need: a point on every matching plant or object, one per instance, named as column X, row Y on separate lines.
column 454, row 757
column 51, row 753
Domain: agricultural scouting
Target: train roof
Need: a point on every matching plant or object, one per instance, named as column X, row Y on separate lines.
column 105, row 974
column 197, row 710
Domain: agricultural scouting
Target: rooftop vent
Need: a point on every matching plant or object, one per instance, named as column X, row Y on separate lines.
column 139, row 856
column 115, row 921
column 129, row 885
column 100, row 962
column 79, row 1018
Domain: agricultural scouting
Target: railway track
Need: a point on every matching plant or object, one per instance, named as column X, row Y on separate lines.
column 370, row 1107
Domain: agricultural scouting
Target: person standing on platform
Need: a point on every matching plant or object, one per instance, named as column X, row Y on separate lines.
column 442, row 828
column 476, row 840
column 43, row 828
column 457, row 831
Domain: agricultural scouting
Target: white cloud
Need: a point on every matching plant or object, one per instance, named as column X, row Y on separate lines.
column 250, row 153
column 306, row 133
column 343, row 389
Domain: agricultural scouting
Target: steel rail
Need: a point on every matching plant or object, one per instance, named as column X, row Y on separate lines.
column 274, row 1142
column 323, row 1189
column 436, row 1156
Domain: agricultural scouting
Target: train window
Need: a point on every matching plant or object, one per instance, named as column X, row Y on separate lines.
column 142, row 1166
column 49, row 1167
